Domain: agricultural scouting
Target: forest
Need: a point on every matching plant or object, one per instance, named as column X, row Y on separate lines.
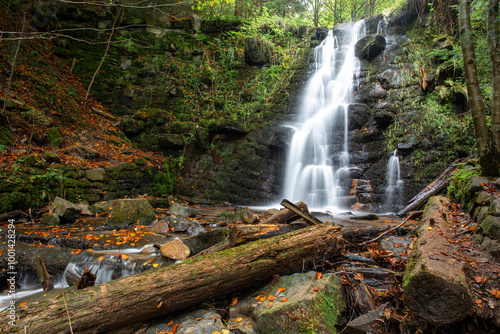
column 249, row 166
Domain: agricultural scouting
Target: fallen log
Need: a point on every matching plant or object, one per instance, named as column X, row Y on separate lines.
column 158, row 292
column 285, row 215
column 42, row 274
column 432, row 189
column 305, row 215
column 435, row 285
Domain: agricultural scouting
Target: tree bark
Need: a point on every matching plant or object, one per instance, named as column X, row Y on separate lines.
column 158, row 292
column 435, row 285
column 494, row 49
column 486, row 154
column 285, row 215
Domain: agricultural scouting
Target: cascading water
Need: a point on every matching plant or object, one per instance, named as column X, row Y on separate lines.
column 394, row 188
column 318, row 159
column 382, row 27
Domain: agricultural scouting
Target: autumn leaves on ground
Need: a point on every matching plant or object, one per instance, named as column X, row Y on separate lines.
column 47, row 111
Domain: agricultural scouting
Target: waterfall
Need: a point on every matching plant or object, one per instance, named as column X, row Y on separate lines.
column 394, row 188
column 382, row 27
column 317, row 166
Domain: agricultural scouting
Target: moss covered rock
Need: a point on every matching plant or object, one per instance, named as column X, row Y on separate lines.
column 130, row 211
column 299, row 303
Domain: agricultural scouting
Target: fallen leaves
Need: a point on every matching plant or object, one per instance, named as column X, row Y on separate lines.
column 234, row 301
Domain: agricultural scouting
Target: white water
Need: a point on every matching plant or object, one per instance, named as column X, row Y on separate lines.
column 394, row 188
column 318, row 159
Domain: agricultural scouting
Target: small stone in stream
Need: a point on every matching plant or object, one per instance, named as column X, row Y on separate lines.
column 175, row 250
column 160, row 226
column 195, row 229
column 177, row 209
column 67, row 211
column 50, row 219
column 179, row 224
column 148, row 250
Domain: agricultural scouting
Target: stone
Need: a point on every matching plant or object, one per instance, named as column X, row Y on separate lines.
column 160, row 226
column 50, row 219
column 85, row 209
column 199, row 321
column 494, row 206
column 319, row 302
column 126, row 212
column 369, row 47
column 157, row 19
column 175, row 250
column 171, row 141
column 195, row 22
column 491, row 227
column 96, row 174
column 359, row 115
column 178, row 224
column 67, row 211
column 475, row 183
column 195, row 229
column 180, row 210
column 491, row 246
column 100, row 207
column 257, row 51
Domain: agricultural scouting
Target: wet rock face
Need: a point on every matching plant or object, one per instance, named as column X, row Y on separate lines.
column 369, row 47
column 257, row 51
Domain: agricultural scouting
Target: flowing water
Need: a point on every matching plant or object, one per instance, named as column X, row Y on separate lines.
column 317, row 168
column 394, row 188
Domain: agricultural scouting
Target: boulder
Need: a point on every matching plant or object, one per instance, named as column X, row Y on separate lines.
column 198, row 321
column 178, row 224
column 195, row 229
column 171, row 141
column 369, row 47
column 125, row 212
column 160, row 226
column 359, row 115
column 300, row 303
column 175, row 250
column 67, row 211
column 96, row 174
column 257, row 51
column 50, row 219
column 180, row 210
column 491, row 227
column 157, row 18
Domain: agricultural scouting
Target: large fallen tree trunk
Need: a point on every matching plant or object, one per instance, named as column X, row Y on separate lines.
column 435, row 285
column 158, row 292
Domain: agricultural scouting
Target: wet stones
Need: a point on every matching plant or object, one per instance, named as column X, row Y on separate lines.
column 175, row 250
column 369, row 47
column 130, row 211
column 66, row 211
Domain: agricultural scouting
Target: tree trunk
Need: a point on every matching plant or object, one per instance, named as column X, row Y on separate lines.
column 486, row 156
column 285, row 215
column 435, row 286
column 158, row 292
column 494, row 48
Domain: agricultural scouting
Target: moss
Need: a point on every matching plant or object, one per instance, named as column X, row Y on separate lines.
column 5, row 139
column 55, row 137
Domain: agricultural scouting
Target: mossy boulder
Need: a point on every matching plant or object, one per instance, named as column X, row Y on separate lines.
column 300, row 303
column 369, row 47
column 67, row 211
column 125, row 212
column 491, row 227
column 257, row 51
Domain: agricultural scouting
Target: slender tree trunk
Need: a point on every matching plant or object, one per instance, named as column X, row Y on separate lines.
column 372, row 7
column 494, row 48
column 486, row 156
column 12, row 70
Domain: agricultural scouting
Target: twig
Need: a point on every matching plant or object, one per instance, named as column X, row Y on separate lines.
column 384, row 233
column 67, row 312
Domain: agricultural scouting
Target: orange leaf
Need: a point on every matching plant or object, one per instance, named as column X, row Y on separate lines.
column 284, row 300
column 319, row 275
column 281, row 289
column 170, row 323
column 261, row 299
column 495, row 293
column 239, row 319
column 234, row 301
column 271, row 298
column 270, row 304
column 478, row 301
column 22, row 304
column 100, row 258
column 174, row 329
column 478, row 279
column 155, row 265
column 257, row 298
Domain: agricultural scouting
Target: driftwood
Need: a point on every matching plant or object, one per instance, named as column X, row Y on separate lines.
column 158, row 292
column 305, row 215
column 435, row 285
column 42, row 274
column 435, row 187
column 285, row 216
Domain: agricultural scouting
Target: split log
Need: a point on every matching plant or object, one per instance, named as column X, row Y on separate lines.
column 305, row 215
column 285, row 216
column 158, row 292
column 435, row 187
column 435, row 285
column 42, row 274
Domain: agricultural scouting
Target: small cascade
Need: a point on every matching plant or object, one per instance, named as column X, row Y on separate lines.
column 317, row 168
column 394, row 188
column 382, row 27
column 110, row 264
